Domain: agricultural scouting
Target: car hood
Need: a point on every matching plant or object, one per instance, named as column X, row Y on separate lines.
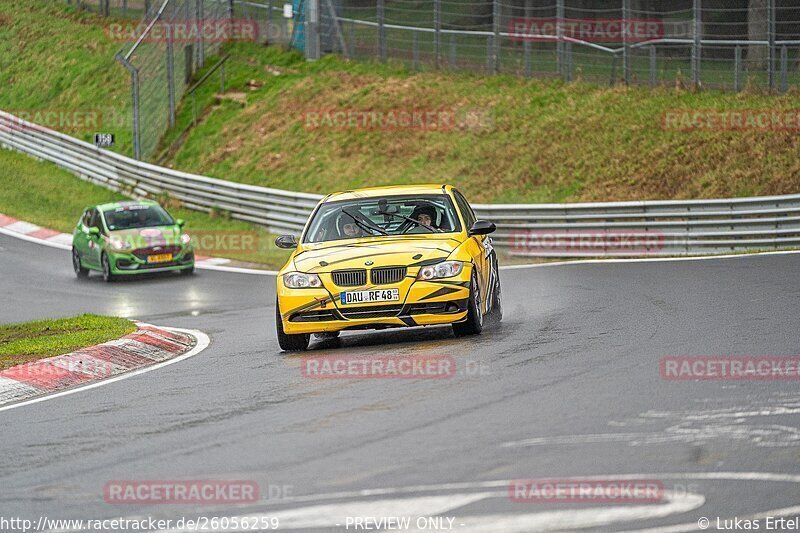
column 145, row 237
column 382, row 251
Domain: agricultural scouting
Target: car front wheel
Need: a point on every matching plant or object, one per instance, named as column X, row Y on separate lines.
column 473, row 325
column 76, row 265
column 108, row 276
column 287, row 341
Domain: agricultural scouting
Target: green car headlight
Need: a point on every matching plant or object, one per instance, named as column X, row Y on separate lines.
column 120, row 245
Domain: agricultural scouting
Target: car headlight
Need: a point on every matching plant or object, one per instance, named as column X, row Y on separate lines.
column 445, row 269
column 118, row 244
column 299, row 280
column 185, row 238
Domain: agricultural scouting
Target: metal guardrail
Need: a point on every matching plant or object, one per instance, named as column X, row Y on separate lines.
column 676, row 227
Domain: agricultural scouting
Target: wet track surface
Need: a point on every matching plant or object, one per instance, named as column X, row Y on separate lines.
column 568, row 385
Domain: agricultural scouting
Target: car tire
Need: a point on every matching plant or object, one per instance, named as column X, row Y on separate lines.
column 108, row 276
column 80, row 271
column 497, row 302
column 473, row 325
column 289, row 342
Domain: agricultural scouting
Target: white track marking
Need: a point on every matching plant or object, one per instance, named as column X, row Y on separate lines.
column 335, row 514
column 202, row 343
column 22, row 227
column 43, row 242
column 583, row 518
column 579, row 518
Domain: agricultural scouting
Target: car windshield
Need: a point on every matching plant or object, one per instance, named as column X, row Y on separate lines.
column 136, row 216
column 383, row 216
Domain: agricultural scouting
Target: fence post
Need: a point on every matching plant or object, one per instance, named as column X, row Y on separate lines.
column 146, row 7
column 526, row 49
column 697, row 51
column 737, row 76
column 312, row 30
column 784, row 69
column 437, row 30
column 452, row 59
column 199, row 15
column 771, row 17
column 626, row 45
column 269, row 21
column 381, row 31
column 415, row 51
column 496, row 14
column 526, row 44
column 652, row 65
column 124, row 8
column 489, row 53
column 137, row 147
column 559, row 37
column 171, row 76
column 568, row 60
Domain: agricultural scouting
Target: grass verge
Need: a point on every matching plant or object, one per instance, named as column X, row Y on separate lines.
column 27, row 342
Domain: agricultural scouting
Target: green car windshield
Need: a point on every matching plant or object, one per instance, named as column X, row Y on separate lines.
column 383, row 216
column 136, row 216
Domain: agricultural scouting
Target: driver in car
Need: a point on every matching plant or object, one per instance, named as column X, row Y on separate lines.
column 348, row 229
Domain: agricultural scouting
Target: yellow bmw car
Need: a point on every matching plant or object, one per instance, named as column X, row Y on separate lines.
column 388, row 257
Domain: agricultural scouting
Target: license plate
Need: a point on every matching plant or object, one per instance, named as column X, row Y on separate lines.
column 159, row 258
column 365, row 297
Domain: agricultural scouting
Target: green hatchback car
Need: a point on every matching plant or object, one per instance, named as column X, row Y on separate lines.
column 128, row 238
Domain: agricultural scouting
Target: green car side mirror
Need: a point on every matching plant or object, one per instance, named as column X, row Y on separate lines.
column 180, row 222
column 94, row 231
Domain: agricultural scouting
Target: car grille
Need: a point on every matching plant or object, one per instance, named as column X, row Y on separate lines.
column 376, row 311
column 385, row 276
column 142, row 253
column 349, row 278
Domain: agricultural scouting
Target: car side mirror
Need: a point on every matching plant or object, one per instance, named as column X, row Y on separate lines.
column 94, row 231
column 482, row 227
column 180, row 222
column 287, row 242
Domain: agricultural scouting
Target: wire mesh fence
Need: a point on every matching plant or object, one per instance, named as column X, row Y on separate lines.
column 727, row 44
column 167, row 47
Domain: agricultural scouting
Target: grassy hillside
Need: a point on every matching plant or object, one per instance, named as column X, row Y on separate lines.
column 535, row 141
column 56, row 58
column 511, row 140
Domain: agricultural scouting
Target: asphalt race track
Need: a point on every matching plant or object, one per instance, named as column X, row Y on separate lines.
column 567, row 386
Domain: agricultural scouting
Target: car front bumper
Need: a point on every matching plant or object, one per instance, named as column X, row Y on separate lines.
column 127, row 263
column 422, row 303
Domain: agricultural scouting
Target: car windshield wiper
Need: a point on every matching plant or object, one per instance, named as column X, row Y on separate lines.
column 363, row 225
column 415, row 221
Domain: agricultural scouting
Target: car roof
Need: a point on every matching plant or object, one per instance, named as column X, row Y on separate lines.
column 127, row 203
column 392, row 190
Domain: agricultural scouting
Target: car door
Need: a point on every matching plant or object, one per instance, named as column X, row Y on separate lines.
column 94, row 243
column 81, row 236
column 483, row 244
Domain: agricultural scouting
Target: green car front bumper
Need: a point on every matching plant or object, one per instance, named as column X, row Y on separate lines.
column 135, row 262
